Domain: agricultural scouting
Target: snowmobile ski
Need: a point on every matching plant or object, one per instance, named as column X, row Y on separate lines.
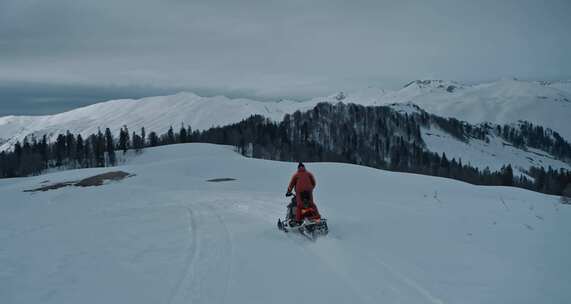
column 309, row 229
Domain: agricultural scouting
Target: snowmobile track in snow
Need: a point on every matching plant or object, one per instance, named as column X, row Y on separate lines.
column 190, row 255
column 406, row 281
column 208, row 263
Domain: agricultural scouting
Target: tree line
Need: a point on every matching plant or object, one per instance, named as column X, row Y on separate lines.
column 35, row 156
column 378, row 137
column 383, row 138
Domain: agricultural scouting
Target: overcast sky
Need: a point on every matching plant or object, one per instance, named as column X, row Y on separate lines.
column 60, row 54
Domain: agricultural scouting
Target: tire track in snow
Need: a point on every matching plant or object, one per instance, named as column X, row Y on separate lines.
column 208, row 264
column 189, row 257
column 408, row 281
column 348, row 282
column 229, row 248
column 364, row 293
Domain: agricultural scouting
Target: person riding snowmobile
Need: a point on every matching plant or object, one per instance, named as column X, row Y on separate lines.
column 304, row 183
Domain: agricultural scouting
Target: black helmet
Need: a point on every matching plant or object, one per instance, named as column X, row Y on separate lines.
column 300, row 165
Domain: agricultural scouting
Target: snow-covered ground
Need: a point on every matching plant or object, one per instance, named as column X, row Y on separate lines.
column 563, row 85
column 167, row 235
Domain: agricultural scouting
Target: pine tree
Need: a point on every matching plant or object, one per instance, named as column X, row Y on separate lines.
column 153, row 139
column 124, row 139
column 44, row 151
column 170, row 139
column 69, row 147
column 189, row 134
column 19, row 152
column 110, row 147
column 135, row 141
column 60, row 150
column 143, row 137
column 99, row 149
column 3, row 165
column 507, row 178
column 182, row 134
column 444, row 166
column 80, row 151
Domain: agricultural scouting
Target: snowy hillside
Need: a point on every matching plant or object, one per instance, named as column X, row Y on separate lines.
column 563, row 85
column 154, row 113
column 505, row 101
column 167, row 235
column 501, row 102
column 493, row 154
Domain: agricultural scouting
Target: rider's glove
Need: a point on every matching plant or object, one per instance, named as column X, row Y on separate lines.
column 288, row 194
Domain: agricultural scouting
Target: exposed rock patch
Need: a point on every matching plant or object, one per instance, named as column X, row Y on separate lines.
column 96, row 180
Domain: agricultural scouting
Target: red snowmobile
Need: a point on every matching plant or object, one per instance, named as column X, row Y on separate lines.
column 312, row 224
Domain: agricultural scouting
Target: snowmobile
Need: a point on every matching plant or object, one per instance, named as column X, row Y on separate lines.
column 312, row 224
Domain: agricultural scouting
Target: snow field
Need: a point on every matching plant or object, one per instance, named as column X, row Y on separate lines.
column 168, row 236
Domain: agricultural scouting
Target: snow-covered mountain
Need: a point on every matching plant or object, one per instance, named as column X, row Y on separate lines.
column 505, row 101
column 153, row 113
column 493, row 153
column 166, row 235
column 502, row 102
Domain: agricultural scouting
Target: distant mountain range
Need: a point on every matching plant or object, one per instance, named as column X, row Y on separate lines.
column 547, row 104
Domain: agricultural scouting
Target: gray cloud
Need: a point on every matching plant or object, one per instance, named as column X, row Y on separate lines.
column 272, row 49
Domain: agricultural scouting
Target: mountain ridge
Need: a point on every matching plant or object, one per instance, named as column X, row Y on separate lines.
column 502, row 102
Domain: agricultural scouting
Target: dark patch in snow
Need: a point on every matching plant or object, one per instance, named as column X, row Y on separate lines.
column 436, row 197
column 51, row 187
column 96, row 180
column 223, row 179
column 99, row 179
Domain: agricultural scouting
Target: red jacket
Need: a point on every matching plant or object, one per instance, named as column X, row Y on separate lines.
column 302, row 180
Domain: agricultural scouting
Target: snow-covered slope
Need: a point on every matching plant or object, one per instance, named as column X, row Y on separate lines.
column 492, row 154
column 168, row 236
column 502, row 102
column 505, row 101
column 153, row 113
column 563, row 85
